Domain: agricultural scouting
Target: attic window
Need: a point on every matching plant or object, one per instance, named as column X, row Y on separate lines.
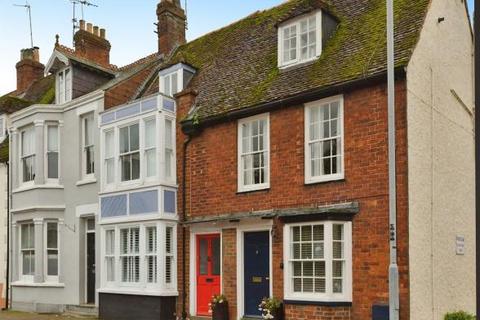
column 64, row 86
column 300, row 39
column 175, row 78
column 169, row 84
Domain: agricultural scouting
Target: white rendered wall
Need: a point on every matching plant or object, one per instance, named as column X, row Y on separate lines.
column 441, row 164
column 3, row 230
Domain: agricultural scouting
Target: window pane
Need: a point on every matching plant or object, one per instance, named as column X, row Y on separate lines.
column 150, row 134
column 52, row 262
column 134, row 137
column 124, row 144
column 174, row 78
column 90, row 160
column 203, row 256
column 52, row 164
column 52, row 137
column 88, row 127
column 52, row 235
column 151, row 159
column 216, row 256
column 125, row 163
column 135, row 166
column 110, row 242
column 167, row 85
column 110, row 269
column 109, row 144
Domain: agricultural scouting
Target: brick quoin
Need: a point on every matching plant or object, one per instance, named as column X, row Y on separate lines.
column 211, row 184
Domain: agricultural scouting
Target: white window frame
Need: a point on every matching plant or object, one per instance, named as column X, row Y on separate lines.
column 22, row 157
column 297, row 22
column 140, row 152
column 64, row 87
column 146, row 150
column 240, row 178
column 309, row 179
column 167, row 78
column 328, row 296
column 173, row 255
column 111, row 158
column 85, row 117
column 170, row 151
column 112, row 256
column 26, row 278
column 48, row 278
column 47, row 151
column 131, row 254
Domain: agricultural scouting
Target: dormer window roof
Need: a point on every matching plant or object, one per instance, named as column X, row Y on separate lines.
column 300, row 39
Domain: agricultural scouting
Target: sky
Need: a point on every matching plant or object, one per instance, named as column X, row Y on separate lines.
column 129, row 25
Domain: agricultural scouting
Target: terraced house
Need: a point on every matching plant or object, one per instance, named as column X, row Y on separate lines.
column 250, row 162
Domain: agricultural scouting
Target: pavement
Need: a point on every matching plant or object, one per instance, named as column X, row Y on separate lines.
column 13, row 315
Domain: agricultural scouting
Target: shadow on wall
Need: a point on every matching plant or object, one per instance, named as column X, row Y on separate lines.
column 2, row 298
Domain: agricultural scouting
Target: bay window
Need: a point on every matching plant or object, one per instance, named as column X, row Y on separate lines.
column 27, row 250
column 319, row 261
column 253, row 153
column 52, row 152
column 139, row 256
column 299, row 40
column 130, row 152
column 324, row 140
column 28, row 154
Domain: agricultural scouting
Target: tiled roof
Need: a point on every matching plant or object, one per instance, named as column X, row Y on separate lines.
column 237, row 65
column 41, row 91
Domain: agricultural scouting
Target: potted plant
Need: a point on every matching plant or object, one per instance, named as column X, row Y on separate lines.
column 271, row 308
column 219, row 307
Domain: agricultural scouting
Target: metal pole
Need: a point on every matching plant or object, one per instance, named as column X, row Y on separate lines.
column 477, row 150
column 29, row 8
column 394, row 301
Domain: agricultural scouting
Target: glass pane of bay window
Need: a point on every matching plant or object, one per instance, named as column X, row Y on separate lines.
column 52, row 249
column 52, row 152
column 169, row 156
column 28, row 154
column 150, row 147
column 109, row 157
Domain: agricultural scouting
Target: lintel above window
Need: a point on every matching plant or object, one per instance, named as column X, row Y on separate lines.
column 300, row 39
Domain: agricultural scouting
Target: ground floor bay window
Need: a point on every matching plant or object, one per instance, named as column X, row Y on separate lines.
column 139, row 258
column 318, row 258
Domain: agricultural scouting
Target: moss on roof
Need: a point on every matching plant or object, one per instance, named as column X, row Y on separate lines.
column 237, row 65
column 10, row 104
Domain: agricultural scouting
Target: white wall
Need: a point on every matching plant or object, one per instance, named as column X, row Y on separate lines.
column 3, row 229
column 441, row 164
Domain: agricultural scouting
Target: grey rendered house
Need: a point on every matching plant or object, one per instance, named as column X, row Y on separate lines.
column 55, row 170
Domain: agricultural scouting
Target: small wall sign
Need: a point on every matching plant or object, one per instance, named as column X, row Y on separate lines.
column 460, row 245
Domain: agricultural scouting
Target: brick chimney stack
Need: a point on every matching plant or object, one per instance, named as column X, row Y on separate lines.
column 90, row 43
column 171, row 25
column 29, row 68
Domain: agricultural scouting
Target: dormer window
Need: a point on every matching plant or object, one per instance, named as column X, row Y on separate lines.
column 175, row 78
column 64, row 86
column 300, row 40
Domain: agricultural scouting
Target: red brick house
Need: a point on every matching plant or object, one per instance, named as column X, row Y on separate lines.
column 282, row 160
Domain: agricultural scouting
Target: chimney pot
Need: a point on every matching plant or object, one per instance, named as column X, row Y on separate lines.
column 90, row 27
column 96, row 31
column 82, row 24
column 103, row 33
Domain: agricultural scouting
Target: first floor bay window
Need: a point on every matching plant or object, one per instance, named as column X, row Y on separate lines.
column 27, row 250
column 319, row 261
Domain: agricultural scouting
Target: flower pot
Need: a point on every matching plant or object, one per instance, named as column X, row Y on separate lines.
column 220, row 311
column 278, row 313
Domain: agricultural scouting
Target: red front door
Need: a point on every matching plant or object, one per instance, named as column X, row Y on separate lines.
column 208, row 271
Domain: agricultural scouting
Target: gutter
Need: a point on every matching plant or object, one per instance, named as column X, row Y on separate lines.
column 307, row 96
column 7, row 273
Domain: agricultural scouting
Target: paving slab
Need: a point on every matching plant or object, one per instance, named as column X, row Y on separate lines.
column 13, row 315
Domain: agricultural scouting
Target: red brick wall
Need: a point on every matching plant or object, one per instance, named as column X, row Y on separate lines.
column 212, row 189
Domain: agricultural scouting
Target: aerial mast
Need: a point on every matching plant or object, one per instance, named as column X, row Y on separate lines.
column 83, row 4
column 29, row 11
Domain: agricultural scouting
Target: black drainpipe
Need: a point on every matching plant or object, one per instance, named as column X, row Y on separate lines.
column 7, row 274
column 184, row 244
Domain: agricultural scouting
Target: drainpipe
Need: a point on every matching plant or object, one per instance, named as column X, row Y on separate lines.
column 394, row 300
column 7, row 272
column 184, row 244
column 477, row 154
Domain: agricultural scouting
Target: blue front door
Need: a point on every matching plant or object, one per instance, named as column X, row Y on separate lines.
column 256, row 255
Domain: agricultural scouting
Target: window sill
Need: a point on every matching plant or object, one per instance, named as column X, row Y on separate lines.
column 318, row 303
column 313, row 181
column 138, row 291
column 254, row 189
column 33, row 187
column 38, row 285
column 298, row 64
column 86, row 181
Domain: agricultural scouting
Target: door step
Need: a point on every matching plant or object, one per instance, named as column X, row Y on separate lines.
column 84, row 310
column 200, row 318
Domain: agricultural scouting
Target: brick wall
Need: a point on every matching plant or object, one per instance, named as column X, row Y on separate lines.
column 211, row 183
